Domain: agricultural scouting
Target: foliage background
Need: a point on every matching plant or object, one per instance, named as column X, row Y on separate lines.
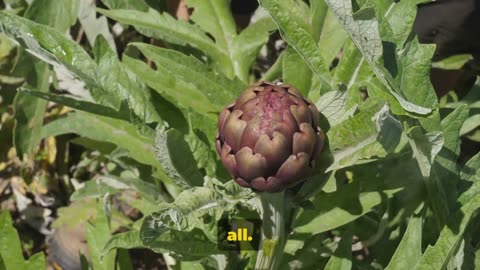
column 108, row 117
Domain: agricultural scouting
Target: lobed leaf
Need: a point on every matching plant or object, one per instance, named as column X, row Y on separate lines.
column 188, row 226
column 363, row 29
column 372, row 184
column 163, row 26
column 438, row 256
column 298, row 34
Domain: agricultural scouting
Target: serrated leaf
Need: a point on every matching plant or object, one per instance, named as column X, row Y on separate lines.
column 332, row 36
column 363, row 28
column 298, row 34
column 352, row 69
column 193, row 218
column 372, row 183
column 54, row 48
column 215, row 18
column 369, row 135
column 49, row 45
column 165, row 27
column 119, row 84
column 30, row 111
column 438, row 256
column 189, row 72
column 93, row 26
column 145, row 189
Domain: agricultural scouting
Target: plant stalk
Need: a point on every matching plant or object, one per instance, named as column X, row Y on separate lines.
column 275, row 213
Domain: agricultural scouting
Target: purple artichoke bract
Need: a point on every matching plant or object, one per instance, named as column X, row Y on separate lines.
column 269, row 138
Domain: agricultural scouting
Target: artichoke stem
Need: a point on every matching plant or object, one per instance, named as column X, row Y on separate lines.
column 275, row 212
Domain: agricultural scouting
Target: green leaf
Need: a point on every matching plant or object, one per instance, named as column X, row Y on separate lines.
column 145, row 189
column 93, row 189
column 342, row 258
column 470, row 177
column 104, row 79
column 332, row 37
column 248, row 43
column 202, row 153
column 49, row 45
column 445, row 166
column 120, row 85
column 10, row 249
column 75, row 214
column 98, row 234
column 296, row 72
column 189, row 225
column 425, row 147
column 93, row 26
column 298, row 34
column 165, row 27
column 334, row 106
column 472, row 123
column 215, row 18
column 11, row 256
column 75, row 103
column 175, row 156
column 352, row 70
column 126, row 4
column 372, row 184
column 438, row 256
column 177, row 92
column 126, row 240
column 371, row 134
column 196, row 208
column 105, row 129
column 182, row 71
column 409, row 250
column 58, row 15
column 363, row 29
column 36, row 262
column 29, row 112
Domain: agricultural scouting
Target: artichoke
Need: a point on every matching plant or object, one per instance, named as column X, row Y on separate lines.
column 269, row 138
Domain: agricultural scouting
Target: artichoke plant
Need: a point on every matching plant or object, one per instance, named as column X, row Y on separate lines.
column 269, row 138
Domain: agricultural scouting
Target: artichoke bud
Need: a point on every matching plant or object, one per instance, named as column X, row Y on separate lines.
column 269, row 138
